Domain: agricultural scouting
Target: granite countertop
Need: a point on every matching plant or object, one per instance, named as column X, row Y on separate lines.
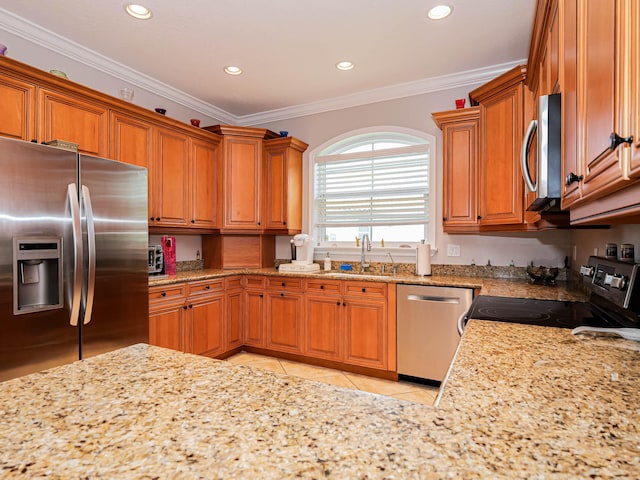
column 520, row 402
column 488, row 286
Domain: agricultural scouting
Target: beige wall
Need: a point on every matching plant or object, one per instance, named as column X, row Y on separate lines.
column 546, row 248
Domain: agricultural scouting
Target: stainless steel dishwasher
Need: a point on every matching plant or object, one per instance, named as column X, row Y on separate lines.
column 428, row 329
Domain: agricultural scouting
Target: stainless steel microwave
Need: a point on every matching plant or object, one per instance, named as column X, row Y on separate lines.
column 548, row 125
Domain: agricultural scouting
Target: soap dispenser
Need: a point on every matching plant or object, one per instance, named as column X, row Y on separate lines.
column 327, row 263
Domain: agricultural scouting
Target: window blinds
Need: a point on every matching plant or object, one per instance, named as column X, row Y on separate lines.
column 380, row 187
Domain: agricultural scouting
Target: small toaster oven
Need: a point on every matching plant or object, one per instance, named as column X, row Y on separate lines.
column 156, row 261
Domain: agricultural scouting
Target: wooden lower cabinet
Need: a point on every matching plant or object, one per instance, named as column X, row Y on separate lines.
column 323, row 327
column 364, row 333
column 334, row 321
column 284, row 321
column 233, row 312
column 165, row 326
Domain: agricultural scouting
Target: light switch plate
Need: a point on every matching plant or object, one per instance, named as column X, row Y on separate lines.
column 453, row 250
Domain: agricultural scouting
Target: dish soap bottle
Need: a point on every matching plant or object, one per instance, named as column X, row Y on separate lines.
column 327, row 263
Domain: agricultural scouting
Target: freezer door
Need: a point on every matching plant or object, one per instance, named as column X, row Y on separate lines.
column 115, row 306
column 35, row 216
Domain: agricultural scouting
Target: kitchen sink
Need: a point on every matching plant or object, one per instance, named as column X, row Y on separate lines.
column 354, row 273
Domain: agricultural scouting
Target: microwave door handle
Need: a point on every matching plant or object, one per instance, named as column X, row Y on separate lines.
column 524, row 156
column 89, row 289
column 76, row 287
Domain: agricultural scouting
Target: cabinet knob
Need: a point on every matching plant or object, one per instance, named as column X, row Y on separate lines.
column 190, row 306
column 261, row 296
column 157, row 219
column 344, row 304
column 338, row 303
column 444, row 219
column 364, row 290
column 208, row 287
column 479, row 217
column 151, row 218
column 283, row 284
column 259, row 223
column 185, row 307
column 281, row 294
column 193, row 221
column 572, row 177
column 615, row 140
column 321, row 287
column 163, row 294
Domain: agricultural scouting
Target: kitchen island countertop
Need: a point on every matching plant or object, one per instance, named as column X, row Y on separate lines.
column 520, row 402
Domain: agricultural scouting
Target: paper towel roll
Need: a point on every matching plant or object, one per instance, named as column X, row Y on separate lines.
column 423, row 259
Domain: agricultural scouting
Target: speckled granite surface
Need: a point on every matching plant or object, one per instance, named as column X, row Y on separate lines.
column 521, row 402
column 502, row 287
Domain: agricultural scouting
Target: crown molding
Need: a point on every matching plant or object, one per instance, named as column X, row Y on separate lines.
column 36, row 34
column 391, row 92
column 45, row 38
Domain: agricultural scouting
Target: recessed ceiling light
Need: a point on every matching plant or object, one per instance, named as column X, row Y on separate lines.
column 138, row 11
column 232, row 70
column 345, row 65
column 439, row 12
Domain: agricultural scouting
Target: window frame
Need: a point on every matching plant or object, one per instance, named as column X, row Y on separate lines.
column 397, row 249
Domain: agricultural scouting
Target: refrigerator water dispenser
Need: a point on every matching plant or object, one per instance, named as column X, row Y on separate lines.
column 37, row 274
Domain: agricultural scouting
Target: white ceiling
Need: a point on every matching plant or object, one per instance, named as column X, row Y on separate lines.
column 288, row 48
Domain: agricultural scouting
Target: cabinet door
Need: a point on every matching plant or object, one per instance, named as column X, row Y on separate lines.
column 323, row 327
column 205, row 328
column 233, row 306
column 275, row 176
column 599, row 65
column 204, row 163
column 460, row 154
column 365, row 333
column 165, row 326
column 254, row 318
column 501, row 184
column 172, row 179
column 284, row 321
column 17, row 104
column 571, row 161
column 131, row 141
column 634, row 85
column 242, row 173
column 63, row 117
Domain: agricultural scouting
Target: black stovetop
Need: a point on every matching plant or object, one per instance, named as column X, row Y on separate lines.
column 548, row 313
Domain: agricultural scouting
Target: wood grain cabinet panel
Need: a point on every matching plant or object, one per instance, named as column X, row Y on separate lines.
column 365, row 333
column 242, row 185
column 323, row 330
column 17, row 104
column 233, row 312
column 634, row 84
column 460, row 162
column 172, row 178
column 73, row 119
column 284, row 321
column 204, row 183
column 206, row 324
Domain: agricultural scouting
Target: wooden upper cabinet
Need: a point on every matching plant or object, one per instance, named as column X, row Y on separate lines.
column 131, row 141
column 460, row 179
column 171, row 178
column 633, row 54
column 282, row 172
column 73, row 119
column 501, row 194
column 204, row 182
column 599, row 94
column 242, row 185
column 17, row 104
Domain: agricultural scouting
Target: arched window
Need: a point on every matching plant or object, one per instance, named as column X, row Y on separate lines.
column 375, row 182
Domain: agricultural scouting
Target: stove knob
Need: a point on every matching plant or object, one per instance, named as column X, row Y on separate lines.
column 586, row 271
column 618, row 282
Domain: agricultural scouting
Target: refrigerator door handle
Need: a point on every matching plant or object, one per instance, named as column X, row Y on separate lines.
column 72, row 196
column 88, row 290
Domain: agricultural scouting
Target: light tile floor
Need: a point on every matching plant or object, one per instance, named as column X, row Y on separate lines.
column 403, row 390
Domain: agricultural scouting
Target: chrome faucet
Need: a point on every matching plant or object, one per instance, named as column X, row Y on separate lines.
column 394, row 269
column 367, row 242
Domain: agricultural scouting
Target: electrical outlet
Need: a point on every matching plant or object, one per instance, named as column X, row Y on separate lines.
column 453, row 250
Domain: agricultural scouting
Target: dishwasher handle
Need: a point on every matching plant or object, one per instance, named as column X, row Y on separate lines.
column 433, row 298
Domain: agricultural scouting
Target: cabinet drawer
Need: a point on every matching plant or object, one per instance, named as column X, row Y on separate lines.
column 365, row 289
column 232, row 283
column 206, row 286
column 320, row 285
column 254, row 282
column 280, row 283
column 166, row 293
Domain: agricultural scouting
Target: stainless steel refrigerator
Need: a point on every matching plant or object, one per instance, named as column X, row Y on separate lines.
column 73, row 256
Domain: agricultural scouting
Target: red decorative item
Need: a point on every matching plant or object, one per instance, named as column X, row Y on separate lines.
column 460, row 102
column 169, row 253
